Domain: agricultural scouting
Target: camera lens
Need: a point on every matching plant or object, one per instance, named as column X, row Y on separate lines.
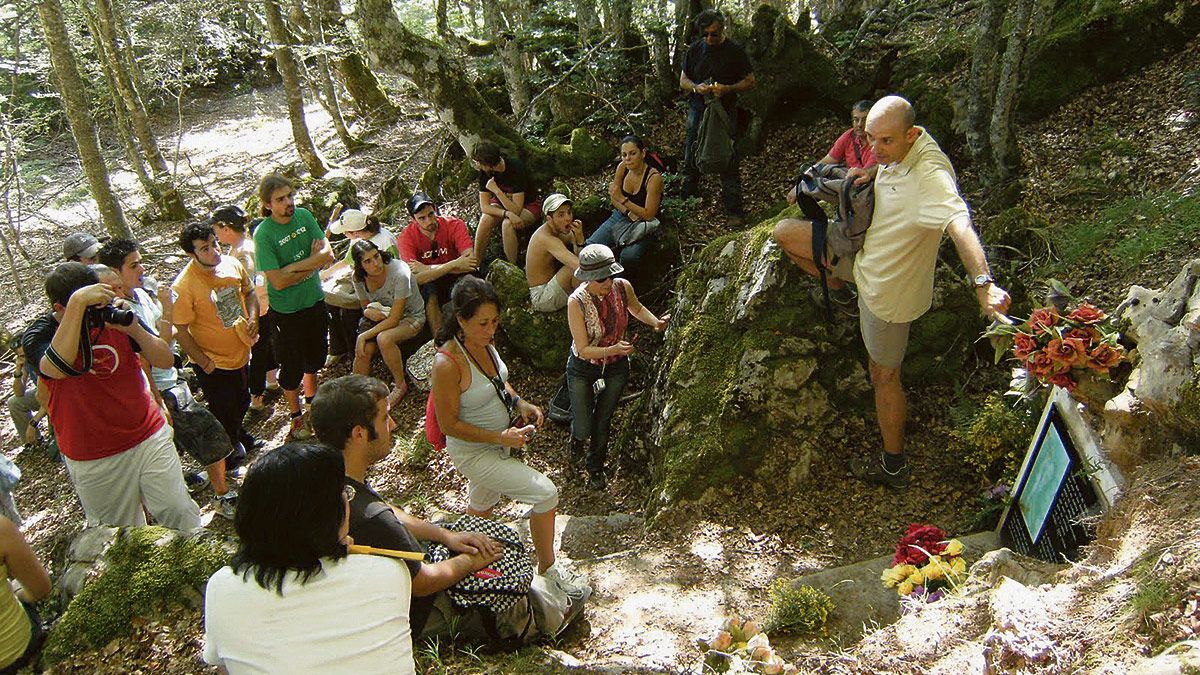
column 117, row 316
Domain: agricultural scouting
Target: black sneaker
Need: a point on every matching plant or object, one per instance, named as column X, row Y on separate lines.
column 844, row 299
column 597, row 481
column 195, row 480
column 873, row 472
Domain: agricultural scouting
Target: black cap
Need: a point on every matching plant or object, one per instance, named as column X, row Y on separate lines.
column 418, row 201
column 228, row 213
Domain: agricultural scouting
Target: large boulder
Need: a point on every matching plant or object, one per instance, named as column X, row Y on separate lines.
column 753, row 381
column 541, row 338
column 1159, row 409
column 791, row 71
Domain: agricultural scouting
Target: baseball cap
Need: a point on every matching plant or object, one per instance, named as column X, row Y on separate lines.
column 352, row 220
column 554, row 202
column 80, row 245
column 227, row 213
column 418, row 201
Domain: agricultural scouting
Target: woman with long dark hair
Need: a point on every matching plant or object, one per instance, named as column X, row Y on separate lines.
column 393, row 311
column 636, row 193
column 484, row 419
column 598, row 314
column 292, row 600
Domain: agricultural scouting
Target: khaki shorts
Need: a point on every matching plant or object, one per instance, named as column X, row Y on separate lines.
column 549, row 297
column 886, row 341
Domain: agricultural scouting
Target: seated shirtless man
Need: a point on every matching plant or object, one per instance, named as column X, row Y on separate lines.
column 553, row 256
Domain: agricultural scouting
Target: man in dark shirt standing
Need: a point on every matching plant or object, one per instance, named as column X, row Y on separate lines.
column 717, row 66
column 350, row 413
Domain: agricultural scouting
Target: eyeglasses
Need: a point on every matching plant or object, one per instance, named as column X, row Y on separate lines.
column 348, row 492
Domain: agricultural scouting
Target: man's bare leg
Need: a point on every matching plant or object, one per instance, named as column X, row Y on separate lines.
column 795, row 238
column 509, row 235
column 483, row 234
column 890, row 406
column 566, row 279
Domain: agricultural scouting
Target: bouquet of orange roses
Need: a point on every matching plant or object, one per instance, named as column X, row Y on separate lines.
column 1073, row 348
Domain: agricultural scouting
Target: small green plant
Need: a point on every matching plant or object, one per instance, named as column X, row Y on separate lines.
column 799, row 609
column 143, row 576
column 417, row 451
column 996, row 435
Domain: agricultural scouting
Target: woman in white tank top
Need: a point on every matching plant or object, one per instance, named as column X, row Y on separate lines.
column 483, row 418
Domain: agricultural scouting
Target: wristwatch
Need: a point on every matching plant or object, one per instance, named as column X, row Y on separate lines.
column 981, row 280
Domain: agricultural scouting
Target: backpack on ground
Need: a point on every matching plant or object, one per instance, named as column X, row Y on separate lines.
column 504, row 606
column 559, row 409
column 714, row 141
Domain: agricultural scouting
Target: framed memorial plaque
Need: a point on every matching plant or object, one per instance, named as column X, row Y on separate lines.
column 1063, row 480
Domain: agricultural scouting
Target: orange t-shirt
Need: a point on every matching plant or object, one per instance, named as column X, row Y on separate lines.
column 213, row 307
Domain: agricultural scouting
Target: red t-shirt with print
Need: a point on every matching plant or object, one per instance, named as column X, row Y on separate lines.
column 449, row 242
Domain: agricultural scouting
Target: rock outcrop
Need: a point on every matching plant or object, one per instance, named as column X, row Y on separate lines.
column 541, row 338
column 753, row 381
column 1159, row 410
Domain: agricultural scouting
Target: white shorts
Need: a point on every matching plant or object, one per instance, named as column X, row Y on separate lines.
column 549, row 297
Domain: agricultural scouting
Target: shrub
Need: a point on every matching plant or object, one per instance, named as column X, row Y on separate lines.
column 801, row 609
column 996, row 435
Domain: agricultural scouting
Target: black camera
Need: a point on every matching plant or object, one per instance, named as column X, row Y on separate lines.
column 98, row 316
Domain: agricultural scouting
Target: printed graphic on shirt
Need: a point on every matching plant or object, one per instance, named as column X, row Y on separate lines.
column 435, row 252
column 105, row 361
column 229, row 305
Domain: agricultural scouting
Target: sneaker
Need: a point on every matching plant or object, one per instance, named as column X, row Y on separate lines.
column 225, row 505
column 574, row 584
column 333, row 359
column 196, row 480
column 597, row 481
column 844, row 299
column 299, row 430
column 873, row 472
column 236, row 473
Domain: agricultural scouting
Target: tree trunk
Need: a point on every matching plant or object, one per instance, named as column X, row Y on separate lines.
column 365, row 90
column 982, row 84
column 328, row 21
column 664, row 78
column 1008, row 91
column 79, row 116
column 588, row 20
column 289, row 72
column 685, row 27
column 512, row 63
column 618, row 18
column 161, row 187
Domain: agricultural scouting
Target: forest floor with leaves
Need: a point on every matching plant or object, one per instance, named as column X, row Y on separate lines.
column 657, row 588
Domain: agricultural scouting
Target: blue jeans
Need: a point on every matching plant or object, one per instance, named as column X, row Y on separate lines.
column 628, row 256
column 731, row 180
column 592, row 415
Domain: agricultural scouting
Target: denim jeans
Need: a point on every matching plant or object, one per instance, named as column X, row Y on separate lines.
column 629, row 256
column 592, row 415
column 731, row 180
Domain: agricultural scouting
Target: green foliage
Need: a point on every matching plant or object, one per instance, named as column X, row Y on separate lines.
column 801, row 609
column 417, row 450
column 149, row 569
column 995, row 435
column 1126, row 234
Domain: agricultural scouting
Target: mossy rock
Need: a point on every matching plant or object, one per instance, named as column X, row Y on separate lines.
column 1090, row 43
column 320, row 195
column 753, row 380
column 144, row 572
column 540, row 338
column 792, row 74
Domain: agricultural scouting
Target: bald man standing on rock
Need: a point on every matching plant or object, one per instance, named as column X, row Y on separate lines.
column 916, row 200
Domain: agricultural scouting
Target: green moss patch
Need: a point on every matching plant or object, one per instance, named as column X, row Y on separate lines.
column 1125, row 235
column 148, row 570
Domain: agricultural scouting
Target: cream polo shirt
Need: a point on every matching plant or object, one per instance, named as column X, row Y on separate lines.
column 915, row 200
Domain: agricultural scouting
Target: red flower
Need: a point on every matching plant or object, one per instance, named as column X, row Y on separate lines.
column 1041, row 365
column 1103, row 357
column 916, row 542
column 1086, row 334
column 1042, row 319
column 1023, row 345
column 1063, row 380
column 1068, row 352
column 1087, row 314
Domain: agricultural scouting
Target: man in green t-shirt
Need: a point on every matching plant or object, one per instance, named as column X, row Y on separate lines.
column 290, row 249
